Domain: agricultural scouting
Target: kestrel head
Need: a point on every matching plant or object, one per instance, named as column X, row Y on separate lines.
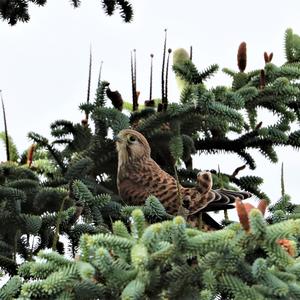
column 131, row 145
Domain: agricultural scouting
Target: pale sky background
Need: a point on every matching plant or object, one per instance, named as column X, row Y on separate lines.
column 44, row 63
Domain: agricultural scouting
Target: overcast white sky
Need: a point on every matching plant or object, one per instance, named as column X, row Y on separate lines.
column 44, row 63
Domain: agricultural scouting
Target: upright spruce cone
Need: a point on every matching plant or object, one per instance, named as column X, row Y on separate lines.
column 242, row 57
column 116, row 98
column 268, row 57
column 243, row 210
column 262, row 79
column 30, row 155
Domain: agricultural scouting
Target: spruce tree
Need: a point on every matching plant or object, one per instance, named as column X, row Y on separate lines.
column 67, row 186
column 15, row 11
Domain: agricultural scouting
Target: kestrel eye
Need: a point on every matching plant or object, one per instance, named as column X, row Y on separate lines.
column 131, row 139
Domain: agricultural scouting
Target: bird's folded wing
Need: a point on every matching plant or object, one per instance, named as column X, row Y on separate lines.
column 133, row 193
column 220, row 199
column 225, row 198
column 232, row 195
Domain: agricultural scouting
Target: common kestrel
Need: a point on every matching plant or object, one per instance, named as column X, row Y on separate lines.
column 140, row 176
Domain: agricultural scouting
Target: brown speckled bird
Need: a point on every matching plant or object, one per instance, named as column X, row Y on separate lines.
column 140, row 176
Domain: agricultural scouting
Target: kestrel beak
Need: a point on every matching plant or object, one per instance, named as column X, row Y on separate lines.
column 117, row 139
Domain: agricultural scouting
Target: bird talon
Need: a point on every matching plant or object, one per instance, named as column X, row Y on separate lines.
column 186, row 203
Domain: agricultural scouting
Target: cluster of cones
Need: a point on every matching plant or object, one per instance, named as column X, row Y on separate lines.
column 243, row 211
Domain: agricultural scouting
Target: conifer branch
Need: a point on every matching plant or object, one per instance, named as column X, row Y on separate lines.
column 7, row 144
column 282, row 181
column 133, row 82
column 89, row 84
column 100, row 73
column 58, row 223
column 15, row 11
column 165, row 102
column 151, row 77
column 163, row 69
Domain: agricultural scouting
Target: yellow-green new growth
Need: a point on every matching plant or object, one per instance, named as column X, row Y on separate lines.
column 139, row 256
column 180, row 55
